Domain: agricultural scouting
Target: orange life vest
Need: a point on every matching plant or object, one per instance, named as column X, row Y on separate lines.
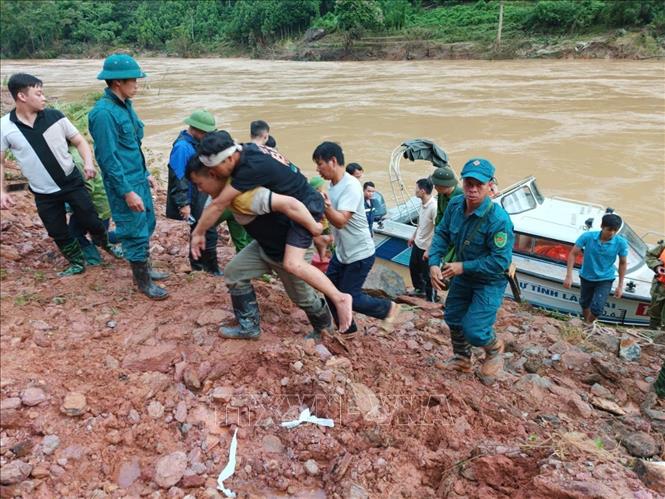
column 661, row 278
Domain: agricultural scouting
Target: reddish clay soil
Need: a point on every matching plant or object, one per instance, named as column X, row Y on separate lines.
column 107, row 394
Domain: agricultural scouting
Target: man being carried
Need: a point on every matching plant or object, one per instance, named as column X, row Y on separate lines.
column 354, row 248
column 251, row 166
column 264, row 216
column 601, row 249
column 259, row 132
column 39, row 138
column 480, row 234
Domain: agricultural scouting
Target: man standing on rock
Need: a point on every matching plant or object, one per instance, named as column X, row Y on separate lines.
column 354, row 253
column 39, row 138
column 118, row 132
column 475, row 238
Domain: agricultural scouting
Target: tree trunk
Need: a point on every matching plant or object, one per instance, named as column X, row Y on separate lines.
column 498, row 33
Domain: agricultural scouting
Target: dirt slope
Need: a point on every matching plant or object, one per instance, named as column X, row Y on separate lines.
column 107, row 394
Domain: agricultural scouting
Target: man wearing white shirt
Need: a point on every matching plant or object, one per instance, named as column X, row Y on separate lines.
column 421, row 240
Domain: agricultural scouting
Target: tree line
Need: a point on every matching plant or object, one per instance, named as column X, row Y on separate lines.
column 50, row 28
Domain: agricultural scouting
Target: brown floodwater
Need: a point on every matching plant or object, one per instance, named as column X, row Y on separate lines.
column 588, row 130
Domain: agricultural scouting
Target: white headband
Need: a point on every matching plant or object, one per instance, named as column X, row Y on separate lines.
column 214, row 159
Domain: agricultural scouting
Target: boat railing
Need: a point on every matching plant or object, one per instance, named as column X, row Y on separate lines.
column 403, row 200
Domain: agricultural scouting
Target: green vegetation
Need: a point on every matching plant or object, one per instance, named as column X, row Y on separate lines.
column 49, row 28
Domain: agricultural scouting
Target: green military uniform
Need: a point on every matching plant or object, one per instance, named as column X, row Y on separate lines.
column 657, row 308
column 238, row 234
column 442, row 203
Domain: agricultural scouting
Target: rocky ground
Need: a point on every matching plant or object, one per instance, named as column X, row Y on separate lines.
column 107, row 394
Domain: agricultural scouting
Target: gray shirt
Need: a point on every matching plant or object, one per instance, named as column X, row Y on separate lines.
column 353, row 242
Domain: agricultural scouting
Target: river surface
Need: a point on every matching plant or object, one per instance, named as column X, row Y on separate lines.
column 587, row 130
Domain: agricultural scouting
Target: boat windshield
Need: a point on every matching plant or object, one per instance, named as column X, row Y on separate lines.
column 520, row 200
column 637, row 249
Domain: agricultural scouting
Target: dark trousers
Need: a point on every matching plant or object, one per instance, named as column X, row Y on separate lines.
column 594, row 294
column 419, row 270
column 198, row 204
column 349, row 278
column 52, row 211
column 77, row 231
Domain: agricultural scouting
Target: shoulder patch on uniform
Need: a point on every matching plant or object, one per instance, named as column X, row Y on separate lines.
column 500, row 239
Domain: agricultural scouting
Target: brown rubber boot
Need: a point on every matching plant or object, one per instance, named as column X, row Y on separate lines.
column 459, row 363
column 493, row 359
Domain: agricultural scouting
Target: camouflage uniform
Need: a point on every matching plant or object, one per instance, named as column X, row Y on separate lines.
column 657, row 308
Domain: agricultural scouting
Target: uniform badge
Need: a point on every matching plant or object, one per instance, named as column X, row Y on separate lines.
column 500, row 239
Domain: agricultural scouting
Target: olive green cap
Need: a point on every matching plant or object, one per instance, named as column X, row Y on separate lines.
column 201, row 120
column 444, row 177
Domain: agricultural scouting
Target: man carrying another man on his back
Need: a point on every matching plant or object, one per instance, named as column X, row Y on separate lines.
column 601, row 249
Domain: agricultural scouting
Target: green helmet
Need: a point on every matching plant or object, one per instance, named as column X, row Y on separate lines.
column 120, row 67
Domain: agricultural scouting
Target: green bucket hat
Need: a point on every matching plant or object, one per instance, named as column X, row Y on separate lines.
column 120, row 67
column 444, row 177
column 201, row 120
column 316, row 182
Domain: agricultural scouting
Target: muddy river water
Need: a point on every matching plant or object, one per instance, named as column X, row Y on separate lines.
column 588, row 130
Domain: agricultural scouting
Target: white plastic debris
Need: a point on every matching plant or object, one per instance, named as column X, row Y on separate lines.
column 306, row 417
column 229, row 468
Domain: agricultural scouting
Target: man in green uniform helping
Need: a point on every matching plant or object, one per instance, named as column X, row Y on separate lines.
column 475, row 238
column 118, row 132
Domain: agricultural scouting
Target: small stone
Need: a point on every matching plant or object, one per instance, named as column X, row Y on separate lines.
column 155, row 409
column 33, row 396
column 170, row 469
column 191, row 378
column 284, row 381
column 311, row 467
column 600, row 391
column 10, row 403
column 14, row 472
column 222, row 393
column 62, row 462
column 272, row 444
column 114, row 437
column 412, row 344
column 56, row 470
column 309, row 346
column 297, row 366
column 40, row 471
column 128, row 472
column 629, row 349
column 23, row 448
column 74, row 404
column 134, row 417
column 428, row 346
column 111, row 324
column 49, row 444
column 640, row 444
column 180, row 413
column 607, row 405
column 328, row 376
column 338, row 362
column 111, row 362
column 324, row 353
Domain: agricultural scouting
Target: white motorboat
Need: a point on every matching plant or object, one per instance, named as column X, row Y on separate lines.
column 545, row 232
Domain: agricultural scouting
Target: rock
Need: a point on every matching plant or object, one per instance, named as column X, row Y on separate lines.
column 134, row 417
column 629, row 349
column 355, row 491
column 180, row 413
column 600, row 391
column 23, row 448
column 533, row 364
column 152, row 358
column 155, row 409
column 608, row 342
column 272, row 444
column 40, row 325
column 127, row 473
column 222, row 393
column 548, row 486
column 49, row 444
column 559, row 347
column 10, row 403
column 73, row 452
column 324, row 353
column 652, row 473
column 640, row 444
column 366, row 401
column 40, row 471
column 111, row 362
column 190, row 377
column 607, row 370
column 381, row 281
column 33, row 396
column 311, row 467
column 313, row 34
column 412, row 344
column 214, row 316
column 14, row 472
column 327, row 375
column 338, row 362
column 170, row 469
column 607, row 405
column 533, row 385
column 297, row 366
column 74, row 404
column 575, row 359
column 191, row 480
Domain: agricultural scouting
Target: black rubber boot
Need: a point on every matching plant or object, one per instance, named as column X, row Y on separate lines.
column 197, row 265
column 142, row 279
column 461, row 359
column 74, row 256
column 209, row 262
column 654, row 323
column 246, row 311
column 156, row 275
column 321, row 321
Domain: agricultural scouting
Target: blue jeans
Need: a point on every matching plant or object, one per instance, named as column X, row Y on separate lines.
column 593, row 295
column 472, row 306
column 349, row 278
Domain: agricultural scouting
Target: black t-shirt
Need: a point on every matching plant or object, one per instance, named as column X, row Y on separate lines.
column 266, row 167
